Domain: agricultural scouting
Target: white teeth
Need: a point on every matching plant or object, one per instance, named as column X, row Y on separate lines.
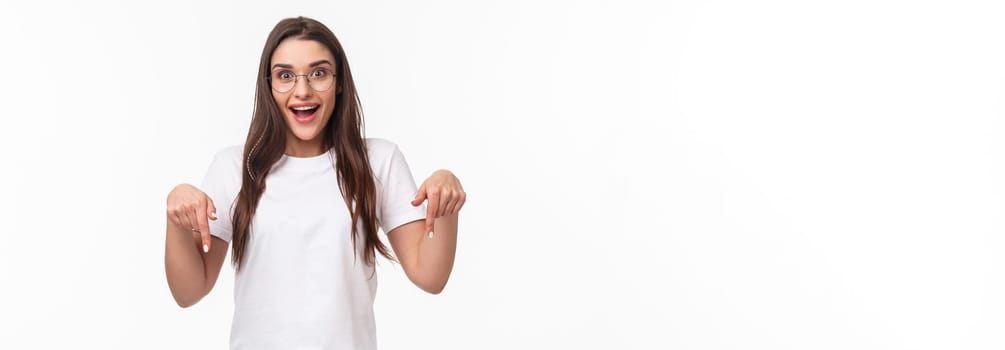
column 305, row 108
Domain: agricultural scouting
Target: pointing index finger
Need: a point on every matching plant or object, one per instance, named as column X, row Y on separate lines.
column 432, row 204
column 203, row 221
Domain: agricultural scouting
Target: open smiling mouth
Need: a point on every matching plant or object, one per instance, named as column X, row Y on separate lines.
column 305, row 114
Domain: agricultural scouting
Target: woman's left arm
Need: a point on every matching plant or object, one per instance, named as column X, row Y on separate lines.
column 426, row 249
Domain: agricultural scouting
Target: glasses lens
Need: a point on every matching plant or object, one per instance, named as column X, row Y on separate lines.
column 321, row 80
column 283, row 81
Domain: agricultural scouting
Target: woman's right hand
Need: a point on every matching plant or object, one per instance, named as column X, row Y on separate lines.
column 189, row 209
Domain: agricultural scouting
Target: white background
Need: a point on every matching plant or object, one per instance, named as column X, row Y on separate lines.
column 665, row 175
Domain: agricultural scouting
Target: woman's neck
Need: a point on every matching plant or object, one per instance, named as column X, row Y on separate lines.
column 303, row 149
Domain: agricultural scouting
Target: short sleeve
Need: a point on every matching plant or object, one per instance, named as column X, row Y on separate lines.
column 396, row 187
column 222, row 183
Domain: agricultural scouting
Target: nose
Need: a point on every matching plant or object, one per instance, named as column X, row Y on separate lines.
column 301, row 90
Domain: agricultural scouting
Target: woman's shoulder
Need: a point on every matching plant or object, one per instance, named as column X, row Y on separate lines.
column 224, row 170
column 228, row 158
column 380, row 147
column 231, row 152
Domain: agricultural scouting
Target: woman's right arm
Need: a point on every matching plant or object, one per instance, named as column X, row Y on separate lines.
column 192, row 257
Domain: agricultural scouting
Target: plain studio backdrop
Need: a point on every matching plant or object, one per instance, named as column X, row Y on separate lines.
column 665, row 175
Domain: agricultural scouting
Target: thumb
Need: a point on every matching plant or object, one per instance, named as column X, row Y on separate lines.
column 210, row 208
column 419, row 196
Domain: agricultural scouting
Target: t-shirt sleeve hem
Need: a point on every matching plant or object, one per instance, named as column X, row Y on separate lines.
column 399, row 220
column 220, row 230
column 226, row 238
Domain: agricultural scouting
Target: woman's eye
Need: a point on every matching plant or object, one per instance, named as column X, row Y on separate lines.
column 318, row 73
column 284, row 75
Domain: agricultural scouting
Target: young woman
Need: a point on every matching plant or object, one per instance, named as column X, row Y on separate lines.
column 301, row 203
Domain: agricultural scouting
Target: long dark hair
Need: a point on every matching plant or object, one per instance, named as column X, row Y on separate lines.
column 266, row 143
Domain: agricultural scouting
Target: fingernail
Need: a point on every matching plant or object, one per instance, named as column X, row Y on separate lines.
column 205, row 248
column 430, row 234
column 212, row 215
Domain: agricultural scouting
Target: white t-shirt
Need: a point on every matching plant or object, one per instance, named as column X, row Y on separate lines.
column 301, row 286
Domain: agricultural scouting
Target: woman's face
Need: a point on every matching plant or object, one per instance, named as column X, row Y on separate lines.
column 304, row 87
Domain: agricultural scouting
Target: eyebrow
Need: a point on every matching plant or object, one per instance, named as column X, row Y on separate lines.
column 315, row 63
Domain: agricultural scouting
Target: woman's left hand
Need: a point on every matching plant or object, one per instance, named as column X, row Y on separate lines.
column 445, row 195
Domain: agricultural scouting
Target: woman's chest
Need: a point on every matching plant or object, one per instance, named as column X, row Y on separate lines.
column 304, row 214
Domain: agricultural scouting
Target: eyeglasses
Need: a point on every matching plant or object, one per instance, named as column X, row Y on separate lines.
column 319, row 79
